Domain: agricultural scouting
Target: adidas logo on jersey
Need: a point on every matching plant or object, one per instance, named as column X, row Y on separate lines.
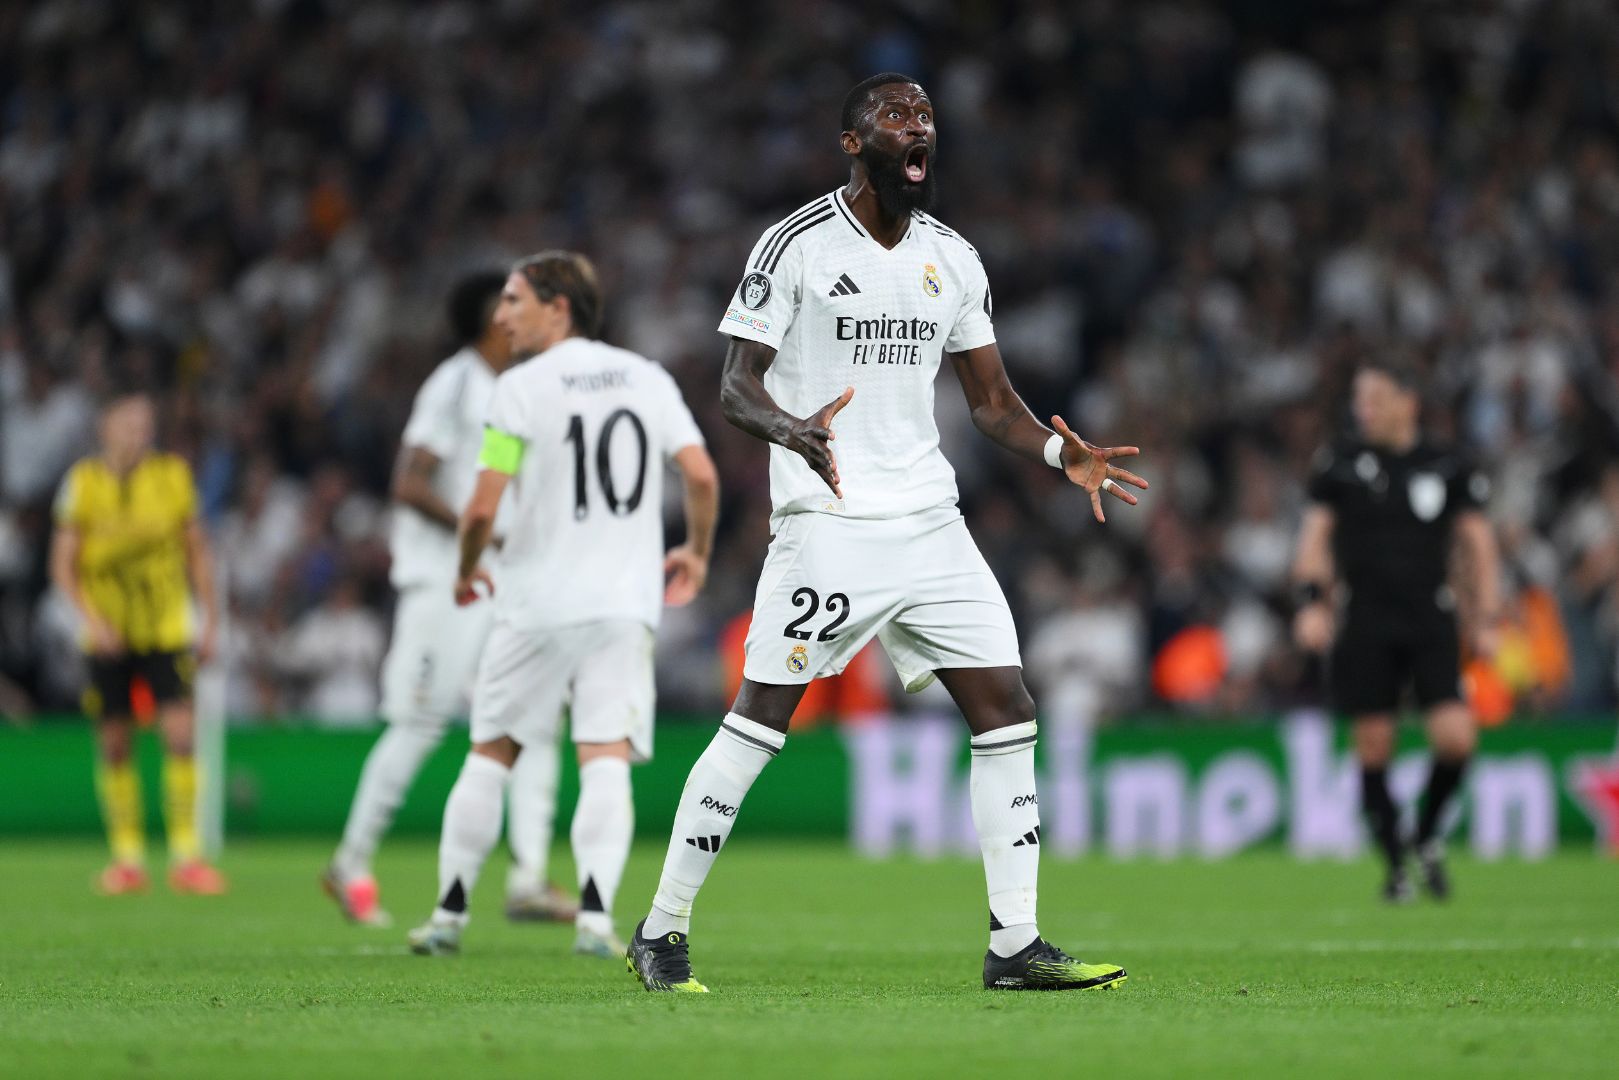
column 704, row 843
column 844, row 287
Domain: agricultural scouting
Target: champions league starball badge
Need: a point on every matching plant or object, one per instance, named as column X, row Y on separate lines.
column 755, row 290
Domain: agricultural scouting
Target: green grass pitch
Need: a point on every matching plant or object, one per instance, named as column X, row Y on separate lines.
column 821, row 965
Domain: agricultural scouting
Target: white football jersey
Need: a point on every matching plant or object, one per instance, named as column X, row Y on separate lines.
column 446, row 421
column 598, row 426
column 842, row 310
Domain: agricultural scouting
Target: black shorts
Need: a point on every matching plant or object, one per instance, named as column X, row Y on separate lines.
column 166, row 674
column 1381, row 652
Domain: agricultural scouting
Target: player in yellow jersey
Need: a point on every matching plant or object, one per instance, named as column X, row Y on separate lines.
column 127, row 539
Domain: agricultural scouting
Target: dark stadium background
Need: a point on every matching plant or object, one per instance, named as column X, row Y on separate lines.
column 1195, row 215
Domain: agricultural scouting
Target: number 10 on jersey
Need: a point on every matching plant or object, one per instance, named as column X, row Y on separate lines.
column 604, row 464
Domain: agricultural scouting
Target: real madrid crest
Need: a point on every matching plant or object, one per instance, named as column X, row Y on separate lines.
column 798, row 660
column 930, row 280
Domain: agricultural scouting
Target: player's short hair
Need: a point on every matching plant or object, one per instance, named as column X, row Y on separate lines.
column 1397, row 370
column 472, row 304
column 566, row 273
column 120, row 387
column 855, row 102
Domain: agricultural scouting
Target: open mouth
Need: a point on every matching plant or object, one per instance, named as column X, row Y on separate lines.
column 916, row 163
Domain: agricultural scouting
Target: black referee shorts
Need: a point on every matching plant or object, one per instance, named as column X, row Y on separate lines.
column 1382, row 652
column 112, row 678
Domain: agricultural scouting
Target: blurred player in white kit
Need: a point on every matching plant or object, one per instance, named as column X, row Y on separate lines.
column 436, row 644
column 581, row 433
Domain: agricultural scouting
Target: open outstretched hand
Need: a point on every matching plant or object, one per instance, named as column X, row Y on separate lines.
column 811, row 438
column 1090, row 467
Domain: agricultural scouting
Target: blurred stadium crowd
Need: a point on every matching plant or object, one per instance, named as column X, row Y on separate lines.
column 1196, row 216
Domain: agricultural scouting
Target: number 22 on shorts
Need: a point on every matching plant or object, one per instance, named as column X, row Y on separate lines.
column 805, row 597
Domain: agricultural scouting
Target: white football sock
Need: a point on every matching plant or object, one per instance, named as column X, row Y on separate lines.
column 531, row 807
column 707, row 810
column 1007, row 816
column 471, row 828
column 390, row 769
column 603, row 825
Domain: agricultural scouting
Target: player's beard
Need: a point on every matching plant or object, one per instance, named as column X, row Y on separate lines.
column 895, row 193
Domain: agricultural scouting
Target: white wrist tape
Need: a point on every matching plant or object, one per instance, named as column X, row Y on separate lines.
column 1054, row 451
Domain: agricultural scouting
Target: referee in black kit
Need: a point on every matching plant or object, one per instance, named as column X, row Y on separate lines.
column 1371, row 573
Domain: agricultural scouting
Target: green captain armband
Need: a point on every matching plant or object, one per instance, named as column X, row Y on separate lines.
column 501, row 452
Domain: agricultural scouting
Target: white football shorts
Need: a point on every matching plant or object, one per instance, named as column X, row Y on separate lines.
column 917, row 582
column 427, row 675
column 601, row 670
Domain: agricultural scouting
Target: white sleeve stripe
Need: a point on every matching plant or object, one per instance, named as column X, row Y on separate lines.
column 770, row 244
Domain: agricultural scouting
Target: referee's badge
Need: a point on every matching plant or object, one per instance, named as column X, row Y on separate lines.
column 1427, row 494
column 798, row 660
column 930, row 280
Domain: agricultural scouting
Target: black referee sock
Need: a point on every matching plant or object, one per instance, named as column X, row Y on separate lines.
column 1444, row 778
column 1380, row 812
